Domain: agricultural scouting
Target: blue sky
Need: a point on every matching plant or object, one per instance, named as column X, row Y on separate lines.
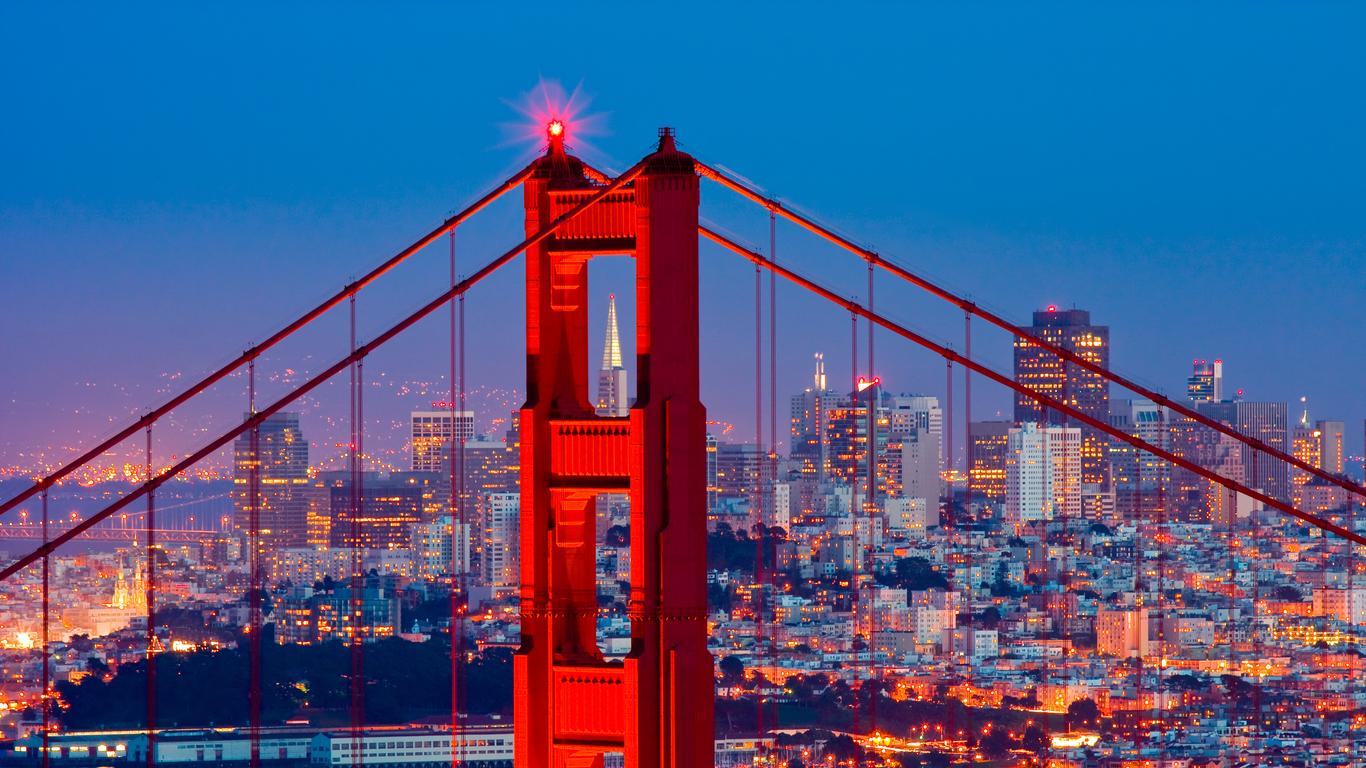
column 178, row 181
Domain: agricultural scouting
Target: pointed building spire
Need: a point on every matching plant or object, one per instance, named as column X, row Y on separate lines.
column 612, row 378
column 611, row 349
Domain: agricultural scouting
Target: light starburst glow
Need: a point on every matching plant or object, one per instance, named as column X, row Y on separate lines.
column 550, row 112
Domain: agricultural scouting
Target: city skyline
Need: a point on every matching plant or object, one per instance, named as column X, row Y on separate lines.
column 1023, row 429
column 1021, row 247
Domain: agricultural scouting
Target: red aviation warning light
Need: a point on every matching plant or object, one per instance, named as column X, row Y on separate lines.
column 555, row 128
column 1052, row 307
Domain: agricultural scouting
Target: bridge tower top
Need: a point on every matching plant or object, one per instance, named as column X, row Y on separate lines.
column 572, row 705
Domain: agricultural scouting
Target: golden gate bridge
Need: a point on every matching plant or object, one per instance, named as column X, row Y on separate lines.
column 571, row 706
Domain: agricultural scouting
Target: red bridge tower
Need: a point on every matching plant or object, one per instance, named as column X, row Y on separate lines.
column 571, row 705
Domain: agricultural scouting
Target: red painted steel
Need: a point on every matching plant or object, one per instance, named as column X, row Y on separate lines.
column 47, row 644
column 569, row 707
column 151, row 600
column 967, row 413
column 458, row 565
column 256, row 579
column 811, row 225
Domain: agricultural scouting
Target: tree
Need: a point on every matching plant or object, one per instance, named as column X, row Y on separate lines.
column 1035, row 739
column 1288, row 594
column 1185, row 682
column 843, row 748
column 916, row 573
column 1083, row 712
column 732, row 669
column 996, row 744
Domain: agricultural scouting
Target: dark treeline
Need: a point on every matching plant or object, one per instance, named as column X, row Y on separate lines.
column 404, row 682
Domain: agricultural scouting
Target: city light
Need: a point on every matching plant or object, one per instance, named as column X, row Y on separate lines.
column 1071, row 568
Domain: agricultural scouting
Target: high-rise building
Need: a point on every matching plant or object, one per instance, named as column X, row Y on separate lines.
column 431, row 432
column 1043, row 473
column 390, row 507
column 1048, row 374
column 1122, row 632
column 810, row 419
column 1330, row 446
column 612, row 393
column 1262, row 421
column 987, row 460
column 1225, row 507
column 909, row 413
column 440, row 546
column 920, row 478
column 1206, row 383
column 1306, row 444
column 500, row 551
column 713, row 489
column 280, row 459
column 847, row 447
column 741, row 470
column 486, row 466
column 1142, row 482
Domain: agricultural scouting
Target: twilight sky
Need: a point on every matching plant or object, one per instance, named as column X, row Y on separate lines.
column 178, row 184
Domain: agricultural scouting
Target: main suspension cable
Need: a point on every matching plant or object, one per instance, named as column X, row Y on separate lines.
column 256, row 350
column 1045, row 400
column 872, row 257
column 332, row 370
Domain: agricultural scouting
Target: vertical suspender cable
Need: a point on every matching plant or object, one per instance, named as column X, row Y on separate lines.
column 1140, row 567
column 1252, row 627
column 45, row 698
column 948, row 437
column 757, row 497
column 872, row 369
column 757, row 493
column 462, row 496
column 773, row 350
column 856, row 561
column 870, row 502
column 151, row 599
column 967, row 411
column 457, row 564
column 1163, row 539
column 254, row 581
column 355, row 603
column 773, row 406
column 358, row 647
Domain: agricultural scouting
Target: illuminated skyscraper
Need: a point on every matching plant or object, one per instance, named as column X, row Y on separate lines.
column 282, row 481
column 612, row 392
column 501, row 548
column 1306, row 444
column 431, row 431
column 390, row 507
column 1048, row 374
column 1043, row 473
column 1206, row 383
column 1143, row 482
column 1330, row 446
column 810, row 419
column 1266, row 422
column 917, row 422
column 987, row 460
